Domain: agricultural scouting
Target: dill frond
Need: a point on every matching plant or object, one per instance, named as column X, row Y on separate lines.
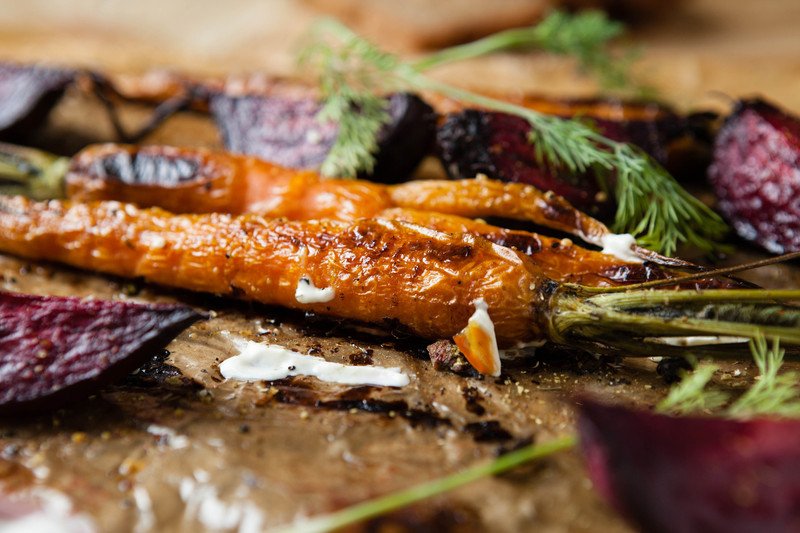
column 690, row 395
column 773, row 393
column 652, row 206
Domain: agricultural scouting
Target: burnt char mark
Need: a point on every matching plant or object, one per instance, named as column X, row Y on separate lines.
column 148, row 166
column 526, row 243
column 439, row 251
column 27, row 94
column 473, row 399
column 671, row 369
column 286, row 131
column 157, row 373
column 362, row 357
column 488, row 431
column 629, row 274
column 462, row 143
column 377, row 242
column 293, row 392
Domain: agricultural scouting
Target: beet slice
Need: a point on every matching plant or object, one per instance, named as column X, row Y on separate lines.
column 756, row 175
column 473, row 141
column 27, row 94
column 54, row 349
column 284, row 130
column 681, row 474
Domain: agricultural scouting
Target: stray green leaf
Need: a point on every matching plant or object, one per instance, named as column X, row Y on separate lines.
column 354, row 74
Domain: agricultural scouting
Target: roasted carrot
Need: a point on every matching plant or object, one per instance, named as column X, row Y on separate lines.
column 380, row 270
column 559, row 259
column 190, row 180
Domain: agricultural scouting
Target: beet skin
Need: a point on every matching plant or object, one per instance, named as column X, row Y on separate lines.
column 756, row 175
column 27, row 94
column 285, row 131
column 685, row 474
column 473, row 141
column 54, row 349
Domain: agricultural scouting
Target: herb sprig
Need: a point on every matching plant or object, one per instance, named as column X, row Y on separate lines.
column 354, row 74
column 774, row 393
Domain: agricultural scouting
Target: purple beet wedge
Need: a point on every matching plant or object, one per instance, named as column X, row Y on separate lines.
column 756, row 175
column 27, row 94
column 471, row 142
column 285, row 130
column 53, row 349
column 686, row 474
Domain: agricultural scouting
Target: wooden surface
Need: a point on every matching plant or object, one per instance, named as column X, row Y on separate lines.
column 250, row 457
column 691, row 53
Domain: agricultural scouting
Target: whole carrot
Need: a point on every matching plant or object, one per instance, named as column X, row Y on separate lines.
column 192, row 180
column 377, row 270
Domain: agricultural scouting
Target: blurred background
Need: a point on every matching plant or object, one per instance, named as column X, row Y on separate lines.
column 691, row 50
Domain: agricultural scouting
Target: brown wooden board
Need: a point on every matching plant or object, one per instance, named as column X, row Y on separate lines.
column 158, row 452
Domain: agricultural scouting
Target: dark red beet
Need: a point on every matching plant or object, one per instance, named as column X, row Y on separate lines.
column 476, row 142
column 682, row 474
column 53, row 349
column 27, row 94
column 496, row 144
column 756, row 175
column 285, row 131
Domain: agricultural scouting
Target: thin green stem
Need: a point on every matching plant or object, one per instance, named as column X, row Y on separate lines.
column 402, row 498
column 667, row 297
column 650, row 203
column 504, row 40
column 32, row 173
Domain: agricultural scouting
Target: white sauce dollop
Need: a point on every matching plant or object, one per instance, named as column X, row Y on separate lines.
column 308, row 293
column 257, row 361
column 620, row 246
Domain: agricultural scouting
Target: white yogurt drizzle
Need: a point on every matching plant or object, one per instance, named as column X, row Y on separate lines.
column 308, row 293
column 257, row 361
column 620, row 246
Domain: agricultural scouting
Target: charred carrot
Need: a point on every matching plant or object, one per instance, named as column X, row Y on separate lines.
column 190, row 180
column 376, row 270
column 183, row 180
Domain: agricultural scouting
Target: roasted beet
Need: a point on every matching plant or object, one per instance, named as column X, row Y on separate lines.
column 286, row 131
column 496, row 144
column 27, row 94
column 682, row 474
column 53, row 348
column 476, row 142
column 756, row 175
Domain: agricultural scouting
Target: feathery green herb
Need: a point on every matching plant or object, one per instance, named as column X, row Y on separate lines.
column 584, row 36
column 651, row 204
column 772, row 394
column 690, row 395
